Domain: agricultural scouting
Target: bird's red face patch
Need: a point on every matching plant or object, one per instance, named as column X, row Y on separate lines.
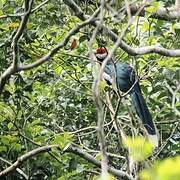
column 101, row 50
column 101, row 53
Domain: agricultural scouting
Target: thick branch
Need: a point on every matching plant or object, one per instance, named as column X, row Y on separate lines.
column 5, row 76
column 25, row 157
column 56, row 49
column 91, row 159
column 177, row 4
column 70, row 149
column 130, row 50
column 17, row 169
column 27, row 11
column 161, row 13
column 13, row 68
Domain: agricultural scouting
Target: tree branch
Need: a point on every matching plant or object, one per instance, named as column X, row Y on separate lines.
column 69, row 149
column 91, row 159
column 97, row 100
column 17, row 169
column 59, row 46
column 27, row 9
column 127, row 48
column 22, row 14
column 13, row 69
column 25, row 157
column 161, row 13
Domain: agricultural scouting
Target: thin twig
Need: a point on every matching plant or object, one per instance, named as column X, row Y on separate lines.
column 97, row 100
column 166, row 142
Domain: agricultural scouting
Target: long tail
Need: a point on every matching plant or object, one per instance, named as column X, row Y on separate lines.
column 144, row 114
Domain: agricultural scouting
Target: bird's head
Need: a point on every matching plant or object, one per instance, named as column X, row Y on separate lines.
column 101, row 53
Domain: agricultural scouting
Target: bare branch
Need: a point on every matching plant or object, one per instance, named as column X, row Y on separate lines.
column 39, row 6
column 128, row 9
column 176, row 125
column 97, row 100
column 5, row 76
column 97, row 92
column 174, row 96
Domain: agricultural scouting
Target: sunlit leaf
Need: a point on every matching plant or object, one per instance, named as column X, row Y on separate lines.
column 62, row 139
column 167, row 169
column 139, row 148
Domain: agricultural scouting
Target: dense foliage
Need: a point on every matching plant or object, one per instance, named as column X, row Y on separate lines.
column 53, row 103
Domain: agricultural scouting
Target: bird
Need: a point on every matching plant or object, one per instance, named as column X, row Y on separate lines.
column 126, row 81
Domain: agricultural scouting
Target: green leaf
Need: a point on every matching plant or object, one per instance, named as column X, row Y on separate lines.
column 62, row 139
column 83, row 38
column 139, row 147
column 17, row 147
column 102, row 85
column 98, row 156
column 1, row 12
column 176, row 28
column 176, row 25
column 167, row 169
column 153, row 8
column 3, row 148
column 10, row 87
column 58, row 70
column 13, row 25
column 5, row 139
column 29, row 25
column 10, row 125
